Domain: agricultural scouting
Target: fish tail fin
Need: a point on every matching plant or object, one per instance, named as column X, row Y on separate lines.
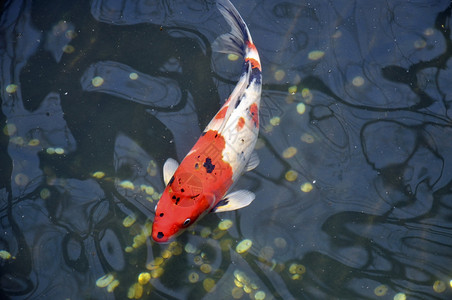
column 239, row 40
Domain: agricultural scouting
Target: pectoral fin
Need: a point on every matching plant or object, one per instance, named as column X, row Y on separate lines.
column 169, row 168
column 253, row 162
column 234, row 200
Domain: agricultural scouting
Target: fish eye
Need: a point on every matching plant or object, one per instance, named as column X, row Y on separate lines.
column 186, row 222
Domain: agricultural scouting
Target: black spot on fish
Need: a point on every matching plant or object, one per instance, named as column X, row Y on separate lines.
column 171, row 180
column 203, row 134
column 193, row 197
column 161, row 214
column 238, row 102
column 208, row 165
column 196, row 166
column 182, row 190
column 177, row 200
column 174, row 197
column 216, row 135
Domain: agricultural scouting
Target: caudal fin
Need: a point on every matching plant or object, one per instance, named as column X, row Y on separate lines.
column 237, row 40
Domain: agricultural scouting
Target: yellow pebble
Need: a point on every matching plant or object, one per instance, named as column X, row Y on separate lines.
column 156, row 273
column 133, row 76
column 218, row 234
column 289, row 152
column 68, row 49
column 129, row 220
column 238, row 283
column 293, row 268
column 296, row 276
column 301, row 108
column 233, row 57
column 98, row 174
column 400, row 296
column 301, row 269
column 126, row 184
column 307, row 138
column 205, row 232
column 306, row 187
column 266, row 253
column 280, row 242
column 292, row 89
column 316, row 55
column 135, row 291
column 33, row 142
column 358, row 81
column 205, row 268
column 275, row 121
column 291, row 175
column 139, row 240
column 50, row 150
column 247, row 289
column 5, row 254
column 197, row 260
column 381, row 290
column 225, row 224
column 420, row 44
column 147, row 189
column 128, row 249
column 177, row 250
column 104, row 280
column 9, row 129
column 11, row 88
column 237, row 292
column 111, row 287
column 189, row 248
column 21, row 179
column 152, row 168
column 193, row 277
column 97, row 81
column 208, row 284
column 59, row 150
column 225, row 244
column 307, row 95
column 144, row 278
column 244, row 246
column 166, row 254
column 156, row 262
column 45, row 193
column 279, row 75
column 260, row 295
column 439, row 286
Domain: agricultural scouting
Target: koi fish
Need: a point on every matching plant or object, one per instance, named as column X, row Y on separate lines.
column 201, row 183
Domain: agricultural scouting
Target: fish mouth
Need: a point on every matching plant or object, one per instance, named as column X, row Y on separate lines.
column 159, row 237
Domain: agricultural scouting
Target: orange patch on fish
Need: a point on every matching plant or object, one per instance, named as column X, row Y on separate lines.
column 240, row 123
column 254, row 63
column 254, row 113
column 222, row 113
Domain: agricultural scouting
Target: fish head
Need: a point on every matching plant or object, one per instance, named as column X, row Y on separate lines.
column 176, row 211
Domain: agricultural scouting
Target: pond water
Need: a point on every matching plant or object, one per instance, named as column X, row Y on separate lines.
column 354, row 188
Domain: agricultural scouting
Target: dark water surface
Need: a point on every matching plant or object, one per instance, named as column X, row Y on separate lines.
column 354, row 189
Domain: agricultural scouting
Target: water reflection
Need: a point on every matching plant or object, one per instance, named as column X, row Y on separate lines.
column 96, row 95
